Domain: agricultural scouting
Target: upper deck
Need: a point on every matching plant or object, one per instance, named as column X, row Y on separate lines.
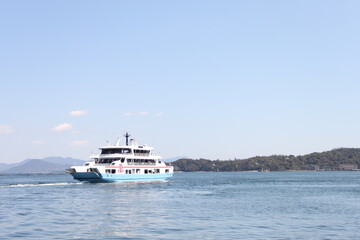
column 132, row 149
column 127, row 150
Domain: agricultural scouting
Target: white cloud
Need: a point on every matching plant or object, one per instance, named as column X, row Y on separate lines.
column 62, row 127
column 159, row 114
column 136, row 114
column 38, row 142
column 77, row 113
column 5, row 129
column 80, row 143
column 143, row 113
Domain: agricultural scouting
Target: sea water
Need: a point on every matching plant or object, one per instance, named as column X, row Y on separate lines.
column 268, row 205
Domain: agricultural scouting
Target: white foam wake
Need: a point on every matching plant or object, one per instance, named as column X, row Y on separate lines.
column 38, row 184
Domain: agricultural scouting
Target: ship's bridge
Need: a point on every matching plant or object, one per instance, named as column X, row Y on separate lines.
column 127, row 150
column 131, row 148
column 115, row 150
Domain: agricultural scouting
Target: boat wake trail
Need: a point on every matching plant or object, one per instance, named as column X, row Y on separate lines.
column 38, row 185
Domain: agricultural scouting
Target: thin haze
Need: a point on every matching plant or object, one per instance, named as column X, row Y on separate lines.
column 209, row 79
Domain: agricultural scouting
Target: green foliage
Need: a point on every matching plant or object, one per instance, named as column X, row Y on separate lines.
column 329, row 160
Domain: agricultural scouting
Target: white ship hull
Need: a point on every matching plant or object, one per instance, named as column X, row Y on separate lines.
column 123, row 163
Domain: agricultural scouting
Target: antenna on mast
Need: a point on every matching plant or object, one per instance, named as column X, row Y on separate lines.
column 118, row 142
column 127, row 135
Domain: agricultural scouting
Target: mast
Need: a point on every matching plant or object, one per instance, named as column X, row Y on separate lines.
column 127, row 135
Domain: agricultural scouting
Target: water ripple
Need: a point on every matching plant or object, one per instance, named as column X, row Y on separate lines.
column 189, row 206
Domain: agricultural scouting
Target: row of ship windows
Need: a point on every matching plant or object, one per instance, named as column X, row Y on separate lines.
column 136, row 171
column 116, row 150
column 124, row 151
column 141, row 161
column 107, row 160
column 146, row 171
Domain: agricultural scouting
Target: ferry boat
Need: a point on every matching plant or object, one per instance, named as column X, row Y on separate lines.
column 123, row 163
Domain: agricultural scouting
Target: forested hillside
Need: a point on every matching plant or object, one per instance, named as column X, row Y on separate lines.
column 329, row 160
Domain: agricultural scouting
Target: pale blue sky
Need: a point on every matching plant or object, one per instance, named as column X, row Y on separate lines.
column 210, row 79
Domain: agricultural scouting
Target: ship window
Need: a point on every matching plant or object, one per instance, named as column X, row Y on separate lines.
column 113, row 171
column 141, row 152
column 86, row 164
column 145, row 171
column 166, row 170
column 105, row 160
column 137, row 171
column 157, row 170
column 116, row 150
column 125, row 150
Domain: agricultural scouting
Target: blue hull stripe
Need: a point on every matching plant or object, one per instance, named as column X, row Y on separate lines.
column 104, row 177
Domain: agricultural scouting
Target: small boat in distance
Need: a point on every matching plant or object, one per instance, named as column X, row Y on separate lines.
column 123, row 163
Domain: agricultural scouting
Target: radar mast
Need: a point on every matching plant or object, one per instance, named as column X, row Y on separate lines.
column 127, row 135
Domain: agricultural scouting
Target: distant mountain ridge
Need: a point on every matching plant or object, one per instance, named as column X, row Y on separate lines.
column 44, row 165
column 49, row 165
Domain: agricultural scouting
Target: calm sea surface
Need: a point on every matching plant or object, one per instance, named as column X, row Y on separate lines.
column 274, row 205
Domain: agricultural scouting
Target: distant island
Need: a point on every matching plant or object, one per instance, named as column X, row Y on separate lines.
column 44, row 165
column 334, row 160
